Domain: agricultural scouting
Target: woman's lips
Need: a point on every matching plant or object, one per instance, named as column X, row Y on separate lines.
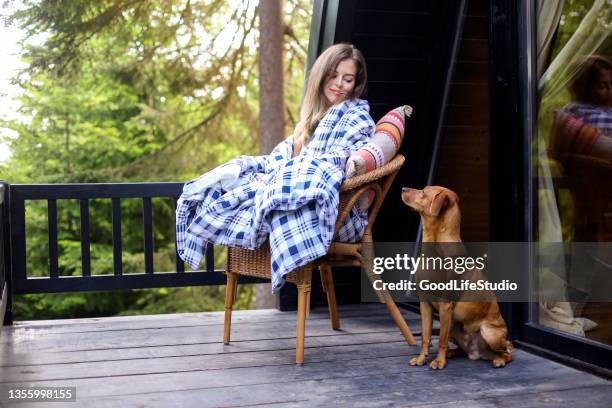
column 336, row 92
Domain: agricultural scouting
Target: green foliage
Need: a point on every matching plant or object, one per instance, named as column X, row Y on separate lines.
column 125, row 303
column 140, row 90
column 184, row 300
column 71, row 305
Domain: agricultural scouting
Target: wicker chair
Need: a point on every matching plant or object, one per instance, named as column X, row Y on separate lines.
column 257, row 262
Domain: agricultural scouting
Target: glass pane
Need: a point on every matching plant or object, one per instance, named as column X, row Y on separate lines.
column 573, row 158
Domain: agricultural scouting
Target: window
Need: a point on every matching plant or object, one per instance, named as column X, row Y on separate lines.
column 572, row 155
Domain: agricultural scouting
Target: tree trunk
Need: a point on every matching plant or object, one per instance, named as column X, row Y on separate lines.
column 271, row 100
column 271, row 81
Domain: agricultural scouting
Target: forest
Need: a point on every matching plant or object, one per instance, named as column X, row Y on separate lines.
column 135, row 91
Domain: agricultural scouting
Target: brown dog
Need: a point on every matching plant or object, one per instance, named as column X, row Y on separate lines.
column 477, row 327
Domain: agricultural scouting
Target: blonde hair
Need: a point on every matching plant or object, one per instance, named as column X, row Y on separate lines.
column 314, row 103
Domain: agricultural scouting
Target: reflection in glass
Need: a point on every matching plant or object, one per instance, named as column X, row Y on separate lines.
column 572, row 154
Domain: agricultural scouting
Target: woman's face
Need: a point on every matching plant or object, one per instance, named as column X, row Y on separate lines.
column 342, row 81
column 601, row 93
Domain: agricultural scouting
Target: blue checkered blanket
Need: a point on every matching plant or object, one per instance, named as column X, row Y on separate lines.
column 599, row 117
column 292, row 201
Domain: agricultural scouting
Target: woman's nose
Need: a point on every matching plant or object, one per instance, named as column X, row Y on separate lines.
column 339, row 82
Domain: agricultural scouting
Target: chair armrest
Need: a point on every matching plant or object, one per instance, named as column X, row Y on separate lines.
column 377, row 180
column 373, row 175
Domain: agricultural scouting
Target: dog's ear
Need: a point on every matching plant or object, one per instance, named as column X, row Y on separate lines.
column 439, row 203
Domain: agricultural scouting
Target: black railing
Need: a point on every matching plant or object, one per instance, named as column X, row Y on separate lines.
column 5, row 276
column 14, row 244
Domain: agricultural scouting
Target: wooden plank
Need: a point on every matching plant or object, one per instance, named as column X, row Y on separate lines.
column 373, row 392
column 337, row 379
column 474, row 49
column 377, row 91
column 580, row 396
column 195, row 324
column 471, row 71
column 394, row 6
column 476, row 26
column 188, row 319
column 478, row 8
column 475, row 95
column 44, row 327
column 380, row 47
column 126, row 353
column 249, row 366
column 388, row 69
column 583, row 396
column 212, row 379
column 466, row 171
column 29, row 342
column 114, row 368
column 397, row 23
column 377, row 318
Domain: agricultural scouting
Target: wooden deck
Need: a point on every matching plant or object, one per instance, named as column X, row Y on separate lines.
column 179, row 361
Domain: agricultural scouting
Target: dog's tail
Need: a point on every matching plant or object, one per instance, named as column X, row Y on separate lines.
column 509, row 346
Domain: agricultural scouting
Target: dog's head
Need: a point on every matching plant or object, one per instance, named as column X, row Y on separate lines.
column 431, row 202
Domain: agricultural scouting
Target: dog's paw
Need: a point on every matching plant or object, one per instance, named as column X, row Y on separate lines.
column 418, row 361
column 499, row 362
column 438, row 364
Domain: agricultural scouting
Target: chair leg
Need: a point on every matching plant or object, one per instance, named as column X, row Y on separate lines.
column 301, row 325
column 304, row 286
column 230, row 296
column 383, row 295
column 397, row 317
column 327, row 280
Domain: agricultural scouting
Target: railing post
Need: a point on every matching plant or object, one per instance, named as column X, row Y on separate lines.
column 6, row 288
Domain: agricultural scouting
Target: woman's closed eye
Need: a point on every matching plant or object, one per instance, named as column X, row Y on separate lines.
column 347, row 78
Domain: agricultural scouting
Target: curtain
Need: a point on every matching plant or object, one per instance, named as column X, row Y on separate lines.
column 548, row 16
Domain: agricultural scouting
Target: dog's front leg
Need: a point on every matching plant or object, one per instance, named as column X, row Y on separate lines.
column 445, row 310
column 426, row 327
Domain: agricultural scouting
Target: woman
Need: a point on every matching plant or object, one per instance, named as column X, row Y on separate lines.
column 592, row 93
column 290, row 196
